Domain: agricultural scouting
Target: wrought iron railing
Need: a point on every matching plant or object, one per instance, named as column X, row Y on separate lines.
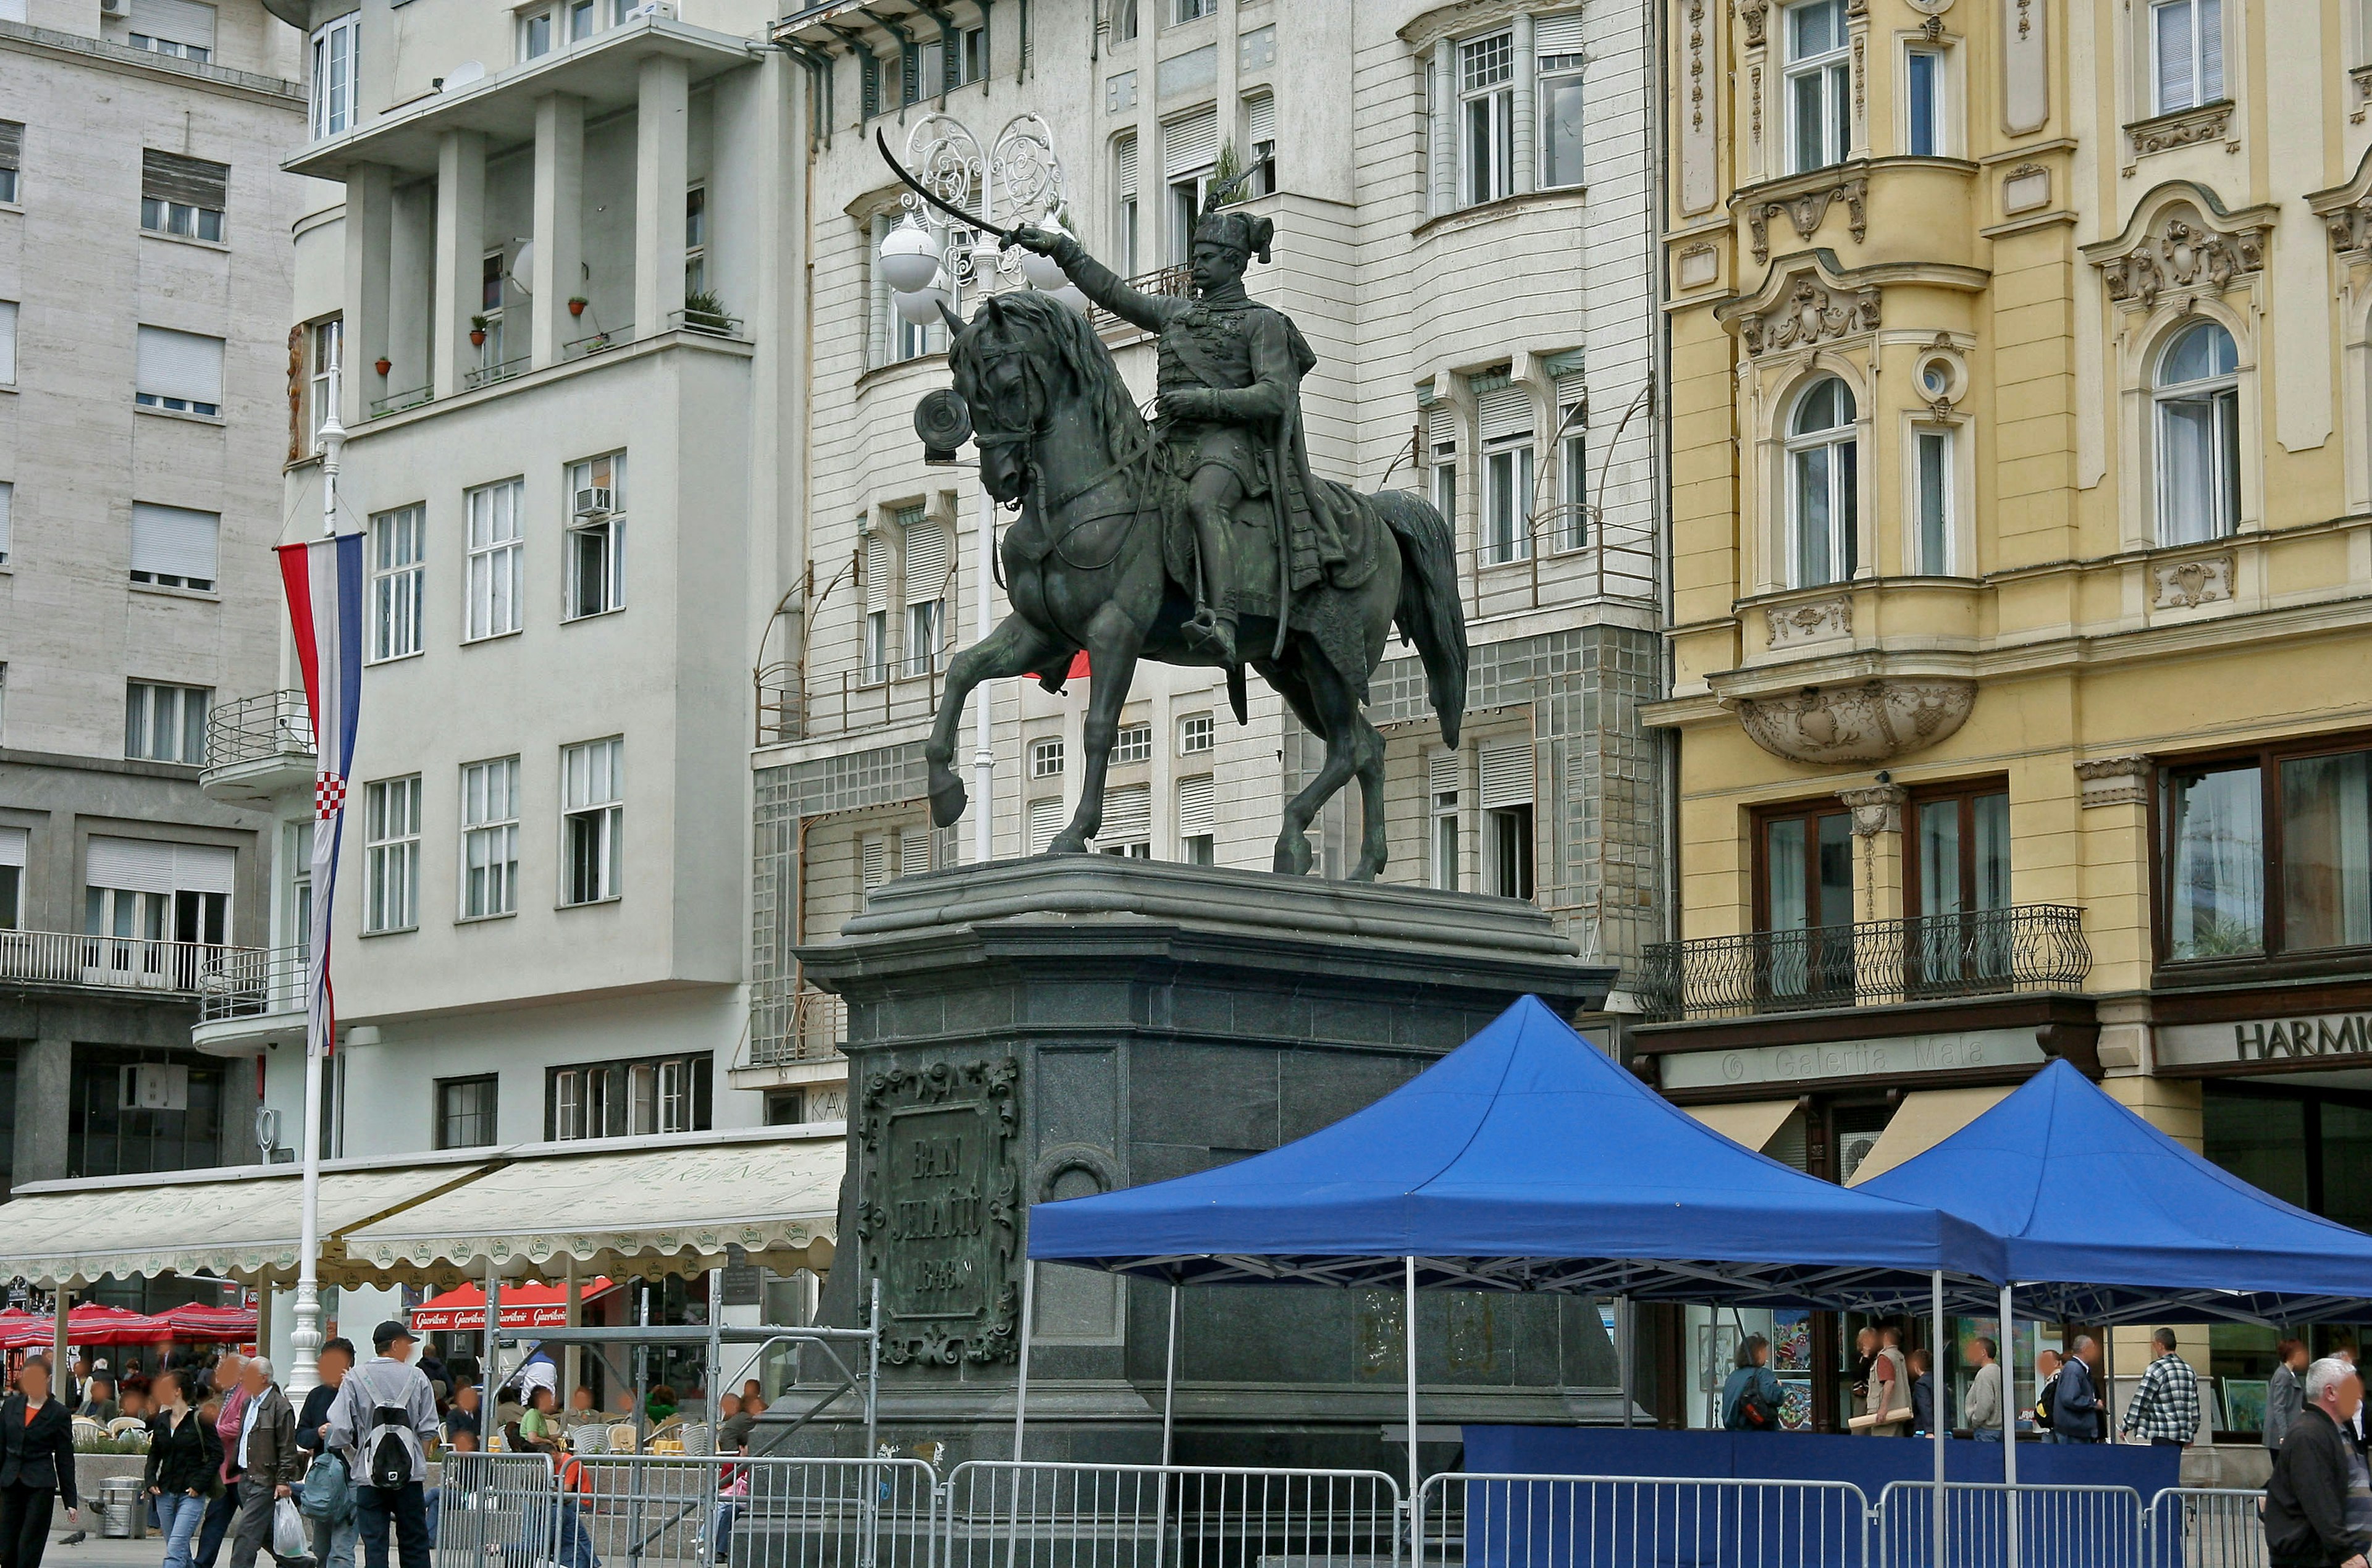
column 804, row 1026
column 597, row 341
column 1982, row 953
column 396, row 402
column 1176, row 283
column 487, row 375
column 259, row 729
column 714, row 323
column 108, row 963
column 250, row 982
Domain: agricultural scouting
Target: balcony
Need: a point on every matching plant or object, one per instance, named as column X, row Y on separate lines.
column 258, row 749
column 249, row 997
column 2023, row 948
column 141, row 964
column 1170, row 282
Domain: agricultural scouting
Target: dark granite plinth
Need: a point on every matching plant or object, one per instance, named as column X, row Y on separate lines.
column 1063, row 1026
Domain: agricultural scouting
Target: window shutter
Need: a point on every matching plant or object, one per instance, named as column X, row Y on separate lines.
column 204, row 868
column 174, row 541
column 7, row 522
column 12, row 144
column 875, row 851
column 181, row 364
column 12, row 853
column 1505, row 414
column 927, row 562
column 135, row 865
column 914, row 855
column 1443, row 773
column 1198, row 807
column 876, row 572
column 1507, row 774
column 7, row 343
column 1124, row 167
column 1557, row 35
column 1190, row 143
column 1441, row 426
column 1128, row 815
column 869, row 65
column 1260, row 116
column 1045, row 821
column 177, row 21
column 169, row 177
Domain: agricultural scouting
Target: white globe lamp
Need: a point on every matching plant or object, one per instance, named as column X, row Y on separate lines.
column 921, row 305
column 910, row 256
column 1044, row 272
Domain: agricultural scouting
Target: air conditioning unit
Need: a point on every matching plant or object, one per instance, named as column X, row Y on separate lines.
column 155, row 1085
column 658, row 8
column 114, row 8
column 593, row 501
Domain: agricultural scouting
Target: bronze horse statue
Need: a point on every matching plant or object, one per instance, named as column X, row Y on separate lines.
column 1094, row 562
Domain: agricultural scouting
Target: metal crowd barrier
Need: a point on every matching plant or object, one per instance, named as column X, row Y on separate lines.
column 665, row 1511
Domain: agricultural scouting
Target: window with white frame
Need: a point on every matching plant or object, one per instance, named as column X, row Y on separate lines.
column 1124, row 19
column 166, row 723
column 179, row 372
column 183, row 28
column 1572, row 465
column 1923, row 102
column 1046, row 758
column 1134, row 743
column 1823, row 474
column 490, row 838
column 297, row 906
column 489, row 317
column 1931, row 482
column 538, row 31
column 333, row 76
column 7, row 343
column 1198, row 820
column 12, row 157
column 1443, row 772
column 929, row 563
column 597, row 537
column 593, row 818
column 1127, row 826
column 1504, row 419
column 2197, row 393
column 1507, row 770
column 1045, row 821
column 1441, row 446
column 628, row 1099
column 1197, row 732
column 1486, row 118
column 175, row 547
column 1190, row 153
column 1126, row 227
column 1260, row 135
column 7, row 519
column 12, row 877
column 324, row 343
column 1820, row 83
column 1557, row 65
column 880, row 571
column 491, row 567
column 398, row 579
column 184, row 196
column 1192, row 10
column 695, row 241
column 2186, row 54
column 391, row 854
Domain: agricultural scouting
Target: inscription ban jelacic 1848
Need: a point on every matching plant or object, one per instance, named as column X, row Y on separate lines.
column 941, row 1217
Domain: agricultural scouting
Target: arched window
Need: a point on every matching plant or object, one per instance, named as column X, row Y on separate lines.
column 2198, row 395
column 1823, row 474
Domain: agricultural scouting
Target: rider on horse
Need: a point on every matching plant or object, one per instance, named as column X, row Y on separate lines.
column 1229, row 401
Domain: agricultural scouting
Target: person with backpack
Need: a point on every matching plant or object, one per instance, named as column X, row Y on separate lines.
column 1750, row 1400
column 382, row 1421
column 326, row 1498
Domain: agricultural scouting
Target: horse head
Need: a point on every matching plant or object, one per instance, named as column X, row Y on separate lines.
column 1028, row 367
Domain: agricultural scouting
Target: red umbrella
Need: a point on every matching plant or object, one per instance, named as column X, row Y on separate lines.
column 524, row 1307
column 196, row 1322
column 88, row 1324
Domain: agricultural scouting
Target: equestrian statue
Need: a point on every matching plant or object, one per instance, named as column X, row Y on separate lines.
column 1203, row 539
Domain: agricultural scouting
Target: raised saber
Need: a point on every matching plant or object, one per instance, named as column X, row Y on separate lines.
column 1004, row 236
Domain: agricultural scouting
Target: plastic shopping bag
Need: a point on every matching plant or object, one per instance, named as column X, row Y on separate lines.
column 289, row 1536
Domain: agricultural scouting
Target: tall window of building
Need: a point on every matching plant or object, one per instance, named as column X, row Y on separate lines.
column 1045, row 821
column 2198, row 399
column 324, row 344
column 628, row 1099
column 593, row 818
column 12, row 157
column 180, row 372
column 928, row 575
column 7, row 519
column 1556, row 43
column 2326, row 873
column 333, row 76
column 490, row 838
column 695, row 241
column 1923, row 102
column 1823, row 485
column 7, row 343
column 1958, row 869
column 1506, row 769
column 1503, row 417
column 492, row 567
column 174, row 547
column 1127, row 826
column 1198, row 820
column 1260, row 135
column 1573, row 467
column 184, row 28
column 465, row 1112
column 166, row 723
column 596, row 536
column 1192, row 10
column 538, row 31
column 1820, row 83
column 297, row 909
column 1443, row 771
column 1124, row 19
column 1190, row 152
column 12, row 876
column 391, row 854
column 1803, row 898
column 1486, row 92
column 880, row 569
column 1441, row 449
column 157, row 891
column 1931, row 450
column 2186, row 53
column 489, row 318
column 2269, row 853
column 183, row 195
column 399, row 576
column 1127, row 230
column 896, row 339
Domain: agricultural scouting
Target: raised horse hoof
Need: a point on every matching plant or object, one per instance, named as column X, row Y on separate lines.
column 1293, row 856
column 948, row 798
column 1068, row 841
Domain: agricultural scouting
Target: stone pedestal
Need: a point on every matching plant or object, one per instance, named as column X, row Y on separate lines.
column 1064, row 1026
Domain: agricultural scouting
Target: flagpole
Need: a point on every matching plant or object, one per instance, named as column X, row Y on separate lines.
column 305, row 1339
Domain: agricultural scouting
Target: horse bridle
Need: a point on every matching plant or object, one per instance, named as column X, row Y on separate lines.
column 986, row 439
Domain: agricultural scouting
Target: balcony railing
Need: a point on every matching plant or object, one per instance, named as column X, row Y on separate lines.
column 1174, row 283
column 396, row 402
column 1984, row 953
column 108, row 963
column 597, row 341
column 251, row 982
column 265, row 727
column 487, row 375
column 805, row 1025
column 715, row 323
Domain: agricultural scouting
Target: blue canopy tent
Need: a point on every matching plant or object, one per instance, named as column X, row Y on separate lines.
column 1525, row 1159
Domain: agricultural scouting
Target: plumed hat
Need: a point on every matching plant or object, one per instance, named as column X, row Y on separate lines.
column 1240, row 232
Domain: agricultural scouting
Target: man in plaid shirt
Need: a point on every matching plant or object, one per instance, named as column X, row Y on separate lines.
column 2164, row 1409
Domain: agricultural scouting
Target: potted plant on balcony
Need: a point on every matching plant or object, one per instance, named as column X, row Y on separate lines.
column 383, row 365
column 477, row 332
column 704, row 312
column 576, row 304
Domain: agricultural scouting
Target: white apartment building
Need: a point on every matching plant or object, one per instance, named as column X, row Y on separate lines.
column 1464, row 201
column 144, row 290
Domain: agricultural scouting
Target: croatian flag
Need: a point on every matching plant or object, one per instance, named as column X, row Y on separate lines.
column 324, row 583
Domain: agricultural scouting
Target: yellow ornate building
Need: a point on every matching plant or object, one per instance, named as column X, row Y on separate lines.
column 2021, row 465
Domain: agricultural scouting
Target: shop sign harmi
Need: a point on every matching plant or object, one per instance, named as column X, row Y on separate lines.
column 2319, row 1036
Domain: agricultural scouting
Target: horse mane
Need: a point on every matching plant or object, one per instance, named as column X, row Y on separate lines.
column 1081, row 351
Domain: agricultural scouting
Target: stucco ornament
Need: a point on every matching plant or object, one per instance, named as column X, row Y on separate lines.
column 2182, row 252
column 1869, row 721
column 1811, row 313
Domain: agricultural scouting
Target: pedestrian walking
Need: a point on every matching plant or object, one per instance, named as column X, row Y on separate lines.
column 2076, row 1415
column 383, row 1420
column 180, row 1474
column 229, row 1405
column 333, row 1539
column 1750, row 1400
column 2165, row 1410
column 2284, row 1392
column 2308, row 1522
column 1923, row 1393
column 36, row 1466
column 1985, row 1406
column 267, row 1462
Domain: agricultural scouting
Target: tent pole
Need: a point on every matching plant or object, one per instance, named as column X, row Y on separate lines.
column 1411, row 1357
column 1022, row 1386
column 1169, row 1375
column 2009, row 1420
column 62, row 1308
column 572, row 1315
column 486, row 1427
column 1936, row 1418
column 1623, row 1352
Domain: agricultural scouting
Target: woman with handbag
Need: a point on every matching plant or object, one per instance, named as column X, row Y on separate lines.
column 36, row 1466
column 181, row 1476
column 1750, row 1400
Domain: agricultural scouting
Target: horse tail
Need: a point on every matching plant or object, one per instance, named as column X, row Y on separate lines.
column 1430, row 613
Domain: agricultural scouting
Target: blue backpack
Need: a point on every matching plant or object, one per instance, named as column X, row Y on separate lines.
column 327, row 1494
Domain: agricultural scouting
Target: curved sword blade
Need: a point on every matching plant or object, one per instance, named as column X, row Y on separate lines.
column 882, row 142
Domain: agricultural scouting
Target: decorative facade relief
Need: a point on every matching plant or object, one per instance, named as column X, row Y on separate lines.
column 1869, row 721
column 1806, row 210
column 1751, row 17
column 1877, row 808
column 2180, row 249
column 2115, row 781
column 1811, row 313
column 2208, row 122
column 1793, row 623
column 2186, row 585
